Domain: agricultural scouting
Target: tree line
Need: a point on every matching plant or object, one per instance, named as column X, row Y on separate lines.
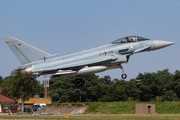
column 159, row 86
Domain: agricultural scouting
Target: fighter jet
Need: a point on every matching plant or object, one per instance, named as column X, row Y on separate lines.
column 36, row 62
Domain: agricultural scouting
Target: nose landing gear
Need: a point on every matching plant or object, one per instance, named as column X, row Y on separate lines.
column 124, row 76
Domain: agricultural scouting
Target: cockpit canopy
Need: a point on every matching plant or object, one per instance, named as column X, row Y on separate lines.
column 129, row 39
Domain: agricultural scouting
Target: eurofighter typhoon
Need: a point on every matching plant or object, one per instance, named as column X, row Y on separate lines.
column 36, row 62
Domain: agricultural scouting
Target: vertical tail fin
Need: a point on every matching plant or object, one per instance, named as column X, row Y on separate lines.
column 25, row 52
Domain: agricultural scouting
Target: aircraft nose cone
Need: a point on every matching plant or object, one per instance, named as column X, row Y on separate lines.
column 161, row 44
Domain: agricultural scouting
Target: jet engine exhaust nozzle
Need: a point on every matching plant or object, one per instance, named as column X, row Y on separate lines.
column 27, row 72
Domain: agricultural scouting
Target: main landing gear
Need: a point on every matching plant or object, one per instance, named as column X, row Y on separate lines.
column 124, row 76
column 79, row 81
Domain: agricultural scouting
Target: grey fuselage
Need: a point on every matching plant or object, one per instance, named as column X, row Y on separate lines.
column 119, row 53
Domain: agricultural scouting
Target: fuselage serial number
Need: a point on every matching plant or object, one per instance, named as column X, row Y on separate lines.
column 106, row 52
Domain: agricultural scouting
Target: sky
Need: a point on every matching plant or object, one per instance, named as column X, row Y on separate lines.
column 66, row 26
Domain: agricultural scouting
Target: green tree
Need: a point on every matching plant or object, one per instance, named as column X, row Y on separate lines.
column 40, row 92
column 169, row 92
column 119, row 91
column 114, row 92
column 106, row 80
column 91, row 88
column 63, row 89
column 147, row 84
column 177, row 82
column 1, row 80
column 106, row 93
column 105, row 90
column 20, row 87
column 132, row 89
column 161, row 86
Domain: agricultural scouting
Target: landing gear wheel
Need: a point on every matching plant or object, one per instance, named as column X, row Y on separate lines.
column 78, row 82
column 124, row 76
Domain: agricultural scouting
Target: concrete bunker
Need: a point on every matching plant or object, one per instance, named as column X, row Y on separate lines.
column 144, row 108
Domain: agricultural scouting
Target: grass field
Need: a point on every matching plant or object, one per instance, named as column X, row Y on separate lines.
column 125, row 107
column 129, row 107
column 111, row 111
column 98, row 117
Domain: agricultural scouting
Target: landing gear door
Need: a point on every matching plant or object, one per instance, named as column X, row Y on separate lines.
column 121, row 59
